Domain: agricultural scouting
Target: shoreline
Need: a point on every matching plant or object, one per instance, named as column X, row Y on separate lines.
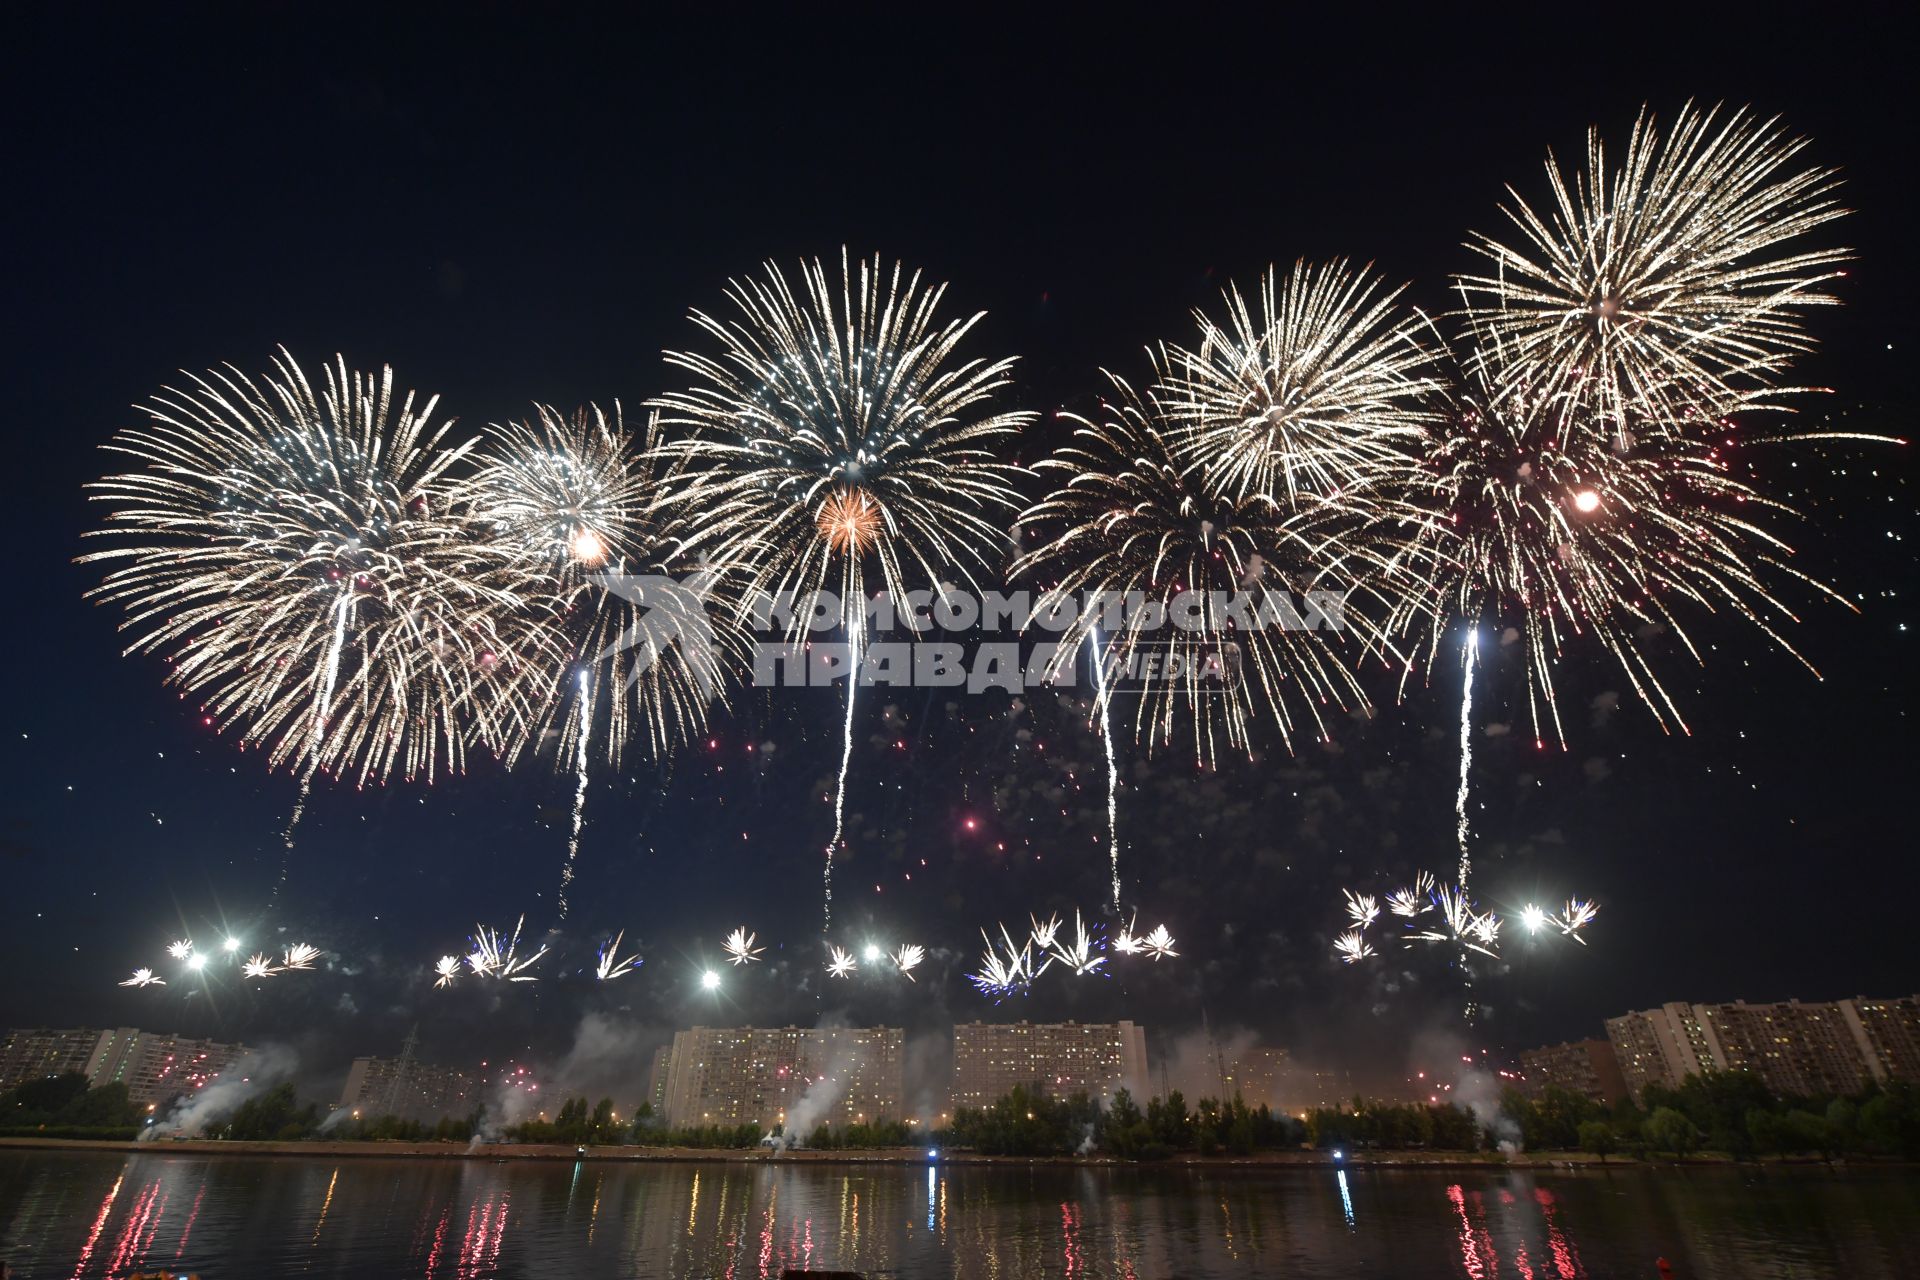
column 518, row 1151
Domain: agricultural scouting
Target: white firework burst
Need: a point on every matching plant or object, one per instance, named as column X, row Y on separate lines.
column 1158, row 943
column 490, row 959
column 1576, row 917
column 739, row 947
column 609, row 964
column 1362, row 908
column 1352, row 947
column 300, row 955
column 907, row 958
column 1078, row 955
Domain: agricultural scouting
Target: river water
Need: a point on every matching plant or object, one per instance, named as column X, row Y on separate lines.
column 104, row 1214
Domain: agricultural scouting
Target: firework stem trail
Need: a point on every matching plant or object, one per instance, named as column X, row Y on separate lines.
column 579, row 789
column 1471, row 660
column 322, row 702
column 1462, row 829
column 1113, row 768
column 855, row 622
column 286, row 839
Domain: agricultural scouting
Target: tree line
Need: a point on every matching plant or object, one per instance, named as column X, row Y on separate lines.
column 66, row 1106
column 1731, row 1112
column 1728, row 1112
column 1029, row 1122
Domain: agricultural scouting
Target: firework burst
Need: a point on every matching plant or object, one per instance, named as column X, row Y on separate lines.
column 840, row 963
column 144, row 978
column 1352, row 947
column 1006, row 967
column 740, row 949
column 297, row 561
column 300, row 955
column 609, row 964
column 836, row 434
column 836, row 423
column 1362, row 908
column 1667, row 292
column 1128, row 515
column 1317, row 395
column 1158, row 943
column 1459, row 923
column 1533, row 525
column 907, row 958
column 1414, row 900
column 573, row 500
column 1577, row 916
column 1078, row 955
column 446, row 970
column 490, row 959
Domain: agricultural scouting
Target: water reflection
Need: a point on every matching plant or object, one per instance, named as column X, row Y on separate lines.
column 105, row 1215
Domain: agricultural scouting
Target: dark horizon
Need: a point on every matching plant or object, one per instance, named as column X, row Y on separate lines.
column 518, row 210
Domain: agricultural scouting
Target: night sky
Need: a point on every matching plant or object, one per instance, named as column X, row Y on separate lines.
column 509, row 209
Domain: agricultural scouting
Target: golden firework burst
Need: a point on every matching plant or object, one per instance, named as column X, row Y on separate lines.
column 850, row 520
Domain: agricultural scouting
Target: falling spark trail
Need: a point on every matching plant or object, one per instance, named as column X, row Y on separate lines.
column 1466, row 753
column 855, row 623
column 1113, row 768
column 579, row 790
column 286, row 839
column 322, row 701
column 1472, row 660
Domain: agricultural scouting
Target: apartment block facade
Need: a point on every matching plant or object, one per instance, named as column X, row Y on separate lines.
column 728, row 1076
column 1797, row 1048
column 1057, row 1058
column 1587, row 1067
column 407, row 1088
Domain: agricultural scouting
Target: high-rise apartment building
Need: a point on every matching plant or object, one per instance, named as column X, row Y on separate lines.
column 1888, row 1033
column 1660, row 1046
column 1262, row 1076
column 784, row 1075
column 1057, row 1058
column 156, row 1068
column 408, row 1088
column 657, row 1078
column 1587, row 1067
column 37, row 1053
column 1797, row 1048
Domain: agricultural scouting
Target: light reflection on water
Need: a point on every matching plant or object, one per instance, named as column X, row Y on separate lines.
column 96, row 1214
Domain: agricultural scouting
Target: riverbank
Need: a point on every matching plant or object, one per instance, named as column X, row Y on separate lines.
column 511, row 1151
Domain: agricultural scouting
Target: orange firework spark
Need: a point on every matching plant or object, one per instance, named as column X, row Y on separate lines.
column 850, row 520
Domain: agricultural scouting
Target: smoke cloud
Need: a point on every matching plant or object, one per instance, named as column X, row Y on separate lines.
column 189, row 1117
